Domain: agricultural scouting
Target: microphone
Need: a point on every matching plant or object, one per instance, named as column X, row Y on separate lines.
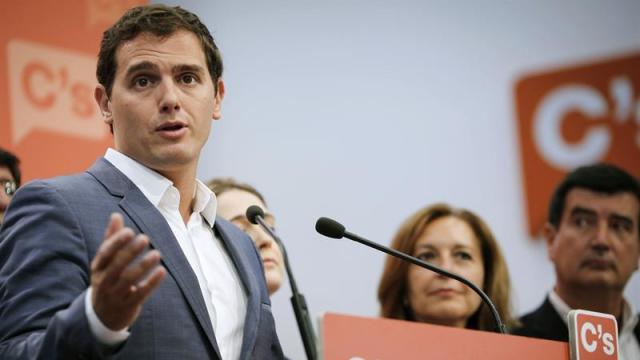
column 255, row 215
column 333, row 229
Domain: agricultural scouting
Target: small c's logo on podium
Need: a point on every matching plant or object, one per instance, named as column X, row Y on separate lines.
column 593, row 336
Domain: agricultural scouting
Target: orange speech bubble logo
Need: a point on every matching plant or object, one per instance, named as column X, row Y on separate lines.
column 51, row 89
column 576, row 116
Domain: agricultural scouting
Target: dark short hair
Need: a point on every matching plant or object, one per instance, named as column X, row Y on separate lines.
column 223, row 184
column 12, row 163
column 600, row 178
column 158, row 20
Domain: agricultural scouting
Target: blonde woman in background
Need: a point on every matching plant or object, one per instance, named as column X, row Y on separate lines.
column 456, row 240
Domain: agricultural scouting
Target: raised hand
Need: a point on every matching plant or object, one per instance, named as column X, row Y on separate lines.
column 120, row 281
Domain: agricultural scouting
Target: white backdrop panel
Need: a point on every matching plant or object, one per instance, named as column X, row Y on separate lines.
column 365, row 111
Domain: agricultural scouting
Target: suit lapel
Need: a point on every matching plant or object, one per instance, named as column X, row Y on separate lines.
column 249, row 281
column 151, row 222
column 552, row 323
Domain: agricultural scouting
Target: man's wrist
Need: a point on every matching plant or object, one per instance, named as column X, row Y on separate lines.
column 105, row 335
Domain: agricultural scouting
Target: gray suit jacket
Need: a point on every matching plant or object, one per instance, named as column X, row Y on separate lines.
column 51, row 233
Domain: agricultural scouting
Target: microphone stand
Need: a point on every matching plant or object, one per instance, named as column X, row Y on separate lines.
column 298, row 302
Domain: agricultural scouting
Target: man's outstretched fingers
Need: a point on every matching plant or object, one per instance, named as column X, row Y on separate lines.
column 148, row 285
column 116, row 222
column 110, row 247
column 124, row 258
column 137, row 271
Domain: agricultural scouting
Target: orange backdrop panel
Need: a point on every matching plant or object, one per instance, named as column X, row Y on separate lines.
column 48, row 52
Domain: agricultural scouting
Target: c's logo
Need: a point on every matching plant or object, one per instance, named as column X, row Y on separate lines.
column 51, row 89
column 573, row 117
column 588, row 101
column 592, row 335
column 48, row 116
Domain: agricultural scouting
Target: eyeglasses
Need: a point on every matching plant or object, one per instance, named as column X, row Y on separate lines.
column 8, row 186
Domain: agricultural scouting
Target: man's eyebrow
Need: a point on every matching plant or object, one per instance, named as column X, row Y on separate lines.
column 579, row 210
column 183, row 68
column 141, row 66
column 621, row 217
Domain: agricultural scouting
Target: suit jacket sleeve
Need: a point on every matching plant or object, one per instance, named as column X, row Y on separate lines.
column 44, row 274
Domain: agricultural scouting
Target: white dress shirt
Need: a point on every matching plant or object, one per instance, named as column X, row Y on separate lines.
column 218, row 278
column 628, row 346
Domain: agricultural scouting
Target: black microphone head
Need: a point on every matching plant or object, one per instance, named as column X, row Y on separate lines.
column 329, row 227
column 253, row 212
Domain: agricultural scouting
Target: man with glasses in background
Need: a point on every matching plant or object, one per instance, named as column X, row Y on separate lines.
column 9, row 179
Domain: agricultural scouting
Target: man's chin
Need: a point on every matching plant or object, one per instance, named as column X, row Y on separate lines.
column 171, row 159
column 599, row 279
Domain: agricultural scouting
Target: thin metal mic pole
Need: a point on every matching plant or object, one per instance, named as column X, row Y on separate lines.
column 298, row 302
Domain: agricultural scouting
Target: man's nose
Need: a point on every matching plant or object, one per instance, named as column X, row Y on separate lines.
column 600, row 240
column 169, row 96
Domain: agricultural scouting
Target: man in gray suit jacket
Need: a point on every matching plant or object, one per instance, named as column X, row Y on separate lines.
column 128, row 260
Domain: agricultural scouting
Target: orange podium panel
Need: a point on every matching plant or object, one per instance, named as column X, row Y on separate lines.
column 357, row 338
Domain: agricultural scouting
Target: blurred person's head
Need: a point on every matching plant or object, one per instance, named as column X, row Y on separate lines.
column 592, row 231
column 233, row 200
column 456, row 240
column 9, row 179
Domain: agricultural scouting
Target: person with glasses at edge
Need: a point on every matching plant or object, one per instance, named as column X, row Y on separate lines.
column 9, row 179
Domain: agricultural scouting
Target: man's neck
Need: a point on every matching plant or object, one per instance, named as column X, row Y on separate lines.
column 601, row 300
column 185, row 182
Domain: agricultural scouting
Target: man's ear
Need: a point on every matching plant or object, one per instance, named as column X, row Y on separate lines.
column 217, row 107
column 100, row 94
column 549, row 233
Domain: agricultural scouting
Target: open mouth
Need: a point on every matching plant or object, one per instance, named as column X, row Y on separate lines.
column 171, row 126
column 172, row 129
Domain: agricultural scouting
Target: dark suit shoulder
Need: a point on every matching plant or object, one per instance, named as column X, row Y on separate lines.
column 44, row 272
column 102, row 177
column 80, row 184
column 543, row 323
